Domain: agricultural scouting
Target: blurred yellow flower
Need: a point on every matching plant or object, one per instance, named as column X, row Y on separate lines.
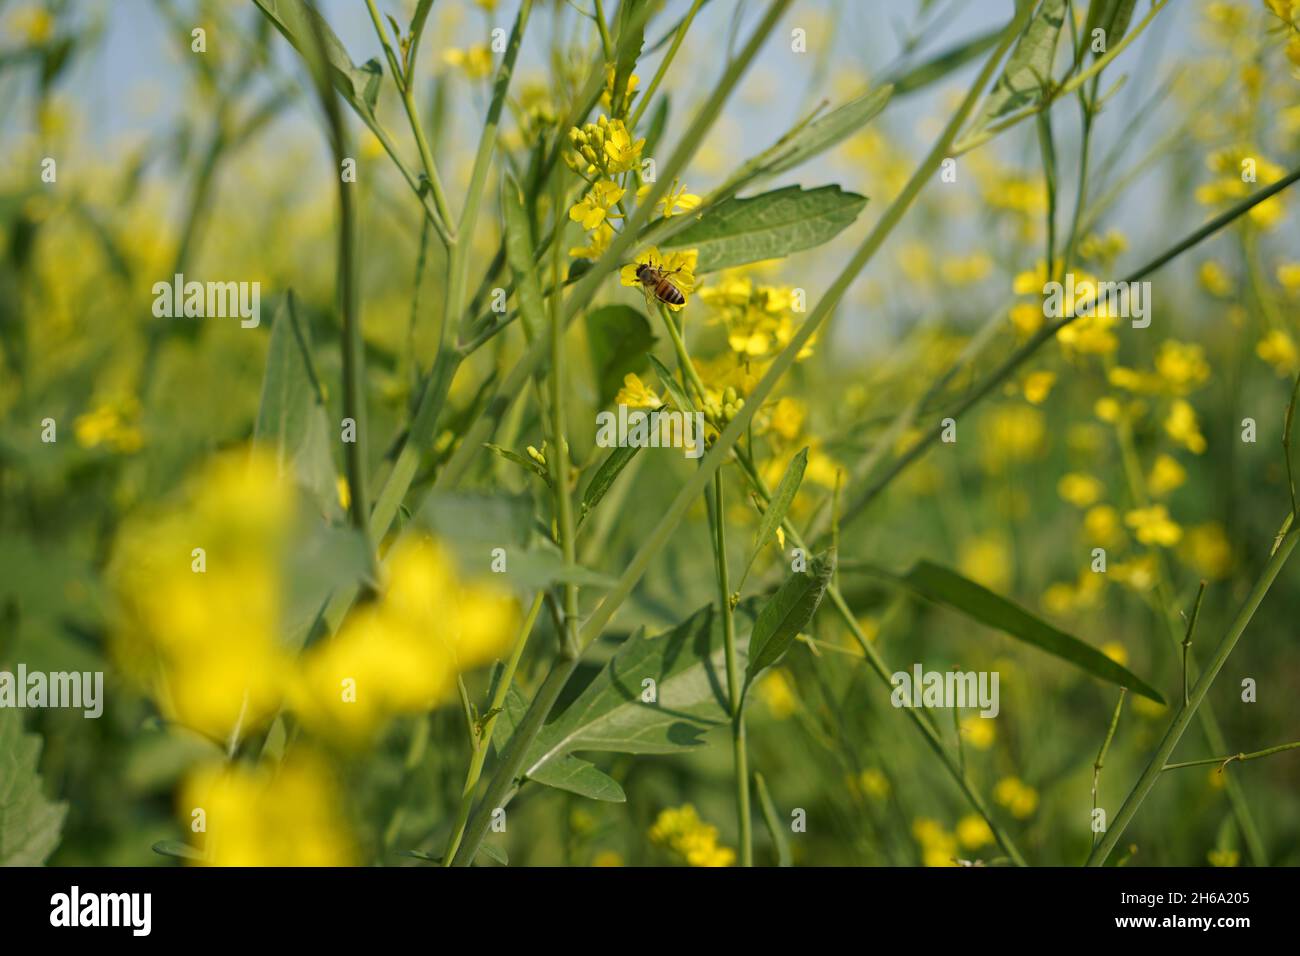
column 978, row 731
column 1116, row 651
column 874, row 783
column 1182, row 427
column 938, row 846
column 987, row 559
column 400, row 654
column 1223, row 857
column 1166, row 475
column 1016, row 796
column 287, row 816
column 113, row 424
column 1154, row 526
column 1079, row 489
column 1207, row 549
column 197, row 586
column 1101, row 526
column 778, row 694
column 1278, row 349
column 973, row 832
column 475, row 63
column 681, row 830
column 1215, row 279
column 1037, row 386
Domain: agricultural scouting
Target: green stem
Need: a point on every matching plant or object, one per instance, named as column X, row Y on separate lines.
column 738, row 748
column 1224, row 761
column 882, row 671
column 1101, row 754
column 479, row 757
column 1160, row 759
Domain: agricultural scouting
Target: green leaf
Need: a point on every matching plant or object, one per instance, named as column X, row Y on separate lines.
column 941, row 64
column 543, row 566
column 604, row 478
column 291, row 419
column 298, row 21
column 177, row 850
column 688, row 668
column 30, row 825
column 674, row 390
column 772, row 819
column 520, row 255
column 1112, row 16
column 619, row 337
column 777, row 506
column 475, row 518
column 786, row 613
column 631, row 37
column 565, row 772
column 486, row 851
column 1028, row 67
column 825, row 132
column 768, row 226
column 947, row 587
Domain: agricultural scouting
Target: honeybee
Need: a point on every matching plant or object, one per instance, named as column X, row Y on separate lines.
column 658, row 282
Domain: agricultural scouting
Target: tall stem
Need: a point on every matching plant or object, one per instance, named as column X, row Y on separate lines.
column 741, row 758
column 1156, row 765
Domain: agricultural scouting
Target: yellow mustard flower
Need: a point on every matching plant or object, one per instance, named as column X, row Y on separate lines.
column 597, row 204
column 676, row 200
column 680, row 830
column 636, row 394
column 678, row 267
column 938, row 846
column 598, row 242
column 1215, row 279
column 257, row 816
column 1278, row 349
column 198, row 591
column 977, row 731
column 874, row 783
column 988, row 560
column 973, row 832
column 1207, row 549
column 1181, row 365
column 778, row 694
column 400, row 654
column 1166, row 475
column 1154, row 526
column 1079, row 489
column 475, row 63
column 1037, row 386
column 1223, row 857
column 1288, row 275
column 112, row 424
column 1016, row 796
column 1181, row 426
column 1101, row 526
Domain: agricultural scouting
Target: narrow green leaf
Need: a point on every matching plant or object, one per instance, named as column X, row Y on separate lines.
column 30, row 824
column 297, row 22
column 768, row 226
column 777, row 506
column 292, row 421
column 786, row 613
column 775, row 829
column 604, row 478
column 944, row 586
column 825, row 132
column 674, row 390
column 520, row 255
column 631, row 37
column 1028, row 67
column 945, row 62
column 486, row 851
column 177, row 850
column 619, row 337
